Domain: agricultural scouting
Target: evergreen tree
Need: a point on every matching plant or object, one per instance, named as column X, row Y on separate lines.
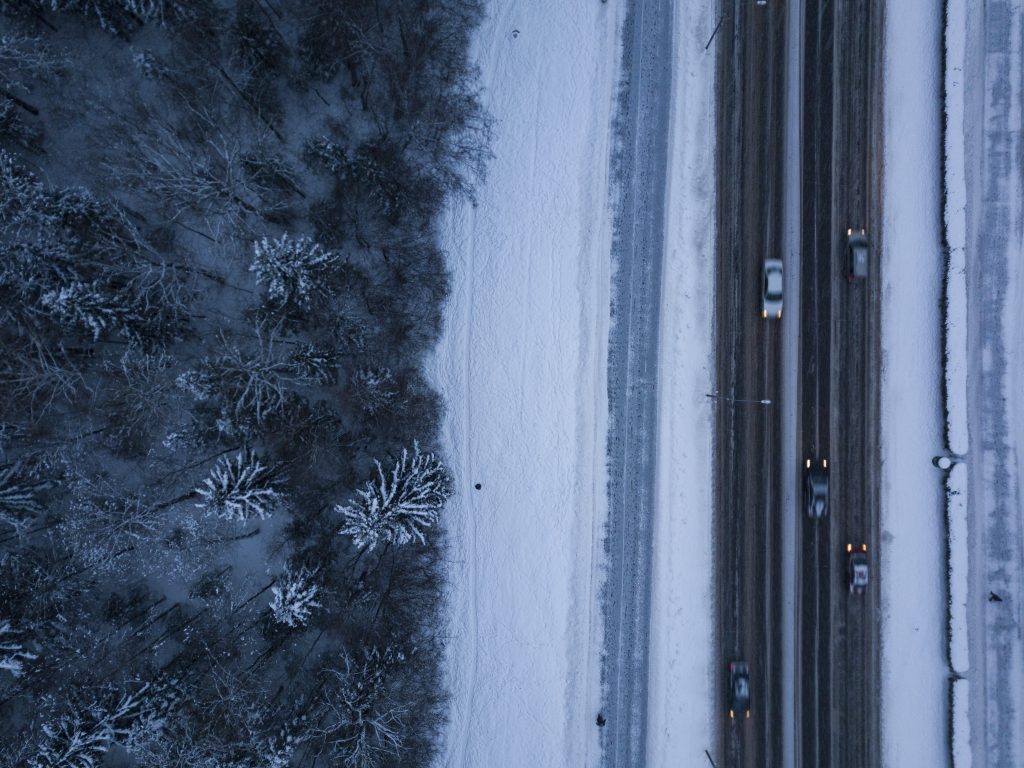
column 294, row 598
column 12, row 652
column 240, row 489
column 398, row 506
column 293, row 270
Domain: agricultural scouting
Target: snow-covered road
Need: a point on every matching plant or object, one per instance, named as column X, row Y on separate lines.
column 995, row 376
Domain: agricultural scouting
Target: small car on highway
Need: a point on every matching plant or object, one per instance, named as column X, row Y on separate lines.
column 857, row 567
column 857, row 247
column 816, row 488
column 739, row 689
column 771, row 293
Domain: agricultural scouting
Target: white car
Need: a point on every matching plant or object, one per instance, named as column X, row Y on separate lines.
column 771, row 294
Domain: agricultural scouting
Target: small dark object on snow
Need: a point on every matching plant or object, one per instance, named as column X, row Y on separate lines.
column 994, row 598
column 600, row 720
column 478, row 486
column 515, row 33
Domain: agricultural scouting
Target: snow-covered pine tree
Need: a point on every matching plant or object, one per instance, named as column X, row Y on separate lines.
column 322, row 152
column 240, row 489
column 12, row 652
column 398, row 506
column 293, row 270
column 89, row 308
column 79, row 739
column 18, row 495
column 22, row 198
column 72, row 741
column 294, row 598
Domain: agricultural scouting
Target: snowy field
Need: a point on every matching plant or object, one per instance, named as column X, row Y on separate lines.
column 522, row 367
column 914, row 686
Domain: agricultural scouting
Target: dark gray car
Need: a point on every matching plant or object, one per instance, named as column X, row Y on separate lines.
column 857, row 245
column 739, row 689
column 816, row 488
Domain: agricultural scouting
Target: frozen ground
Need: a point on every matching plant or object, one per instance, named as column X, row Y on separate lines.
column 914, row 687
column 522, row 367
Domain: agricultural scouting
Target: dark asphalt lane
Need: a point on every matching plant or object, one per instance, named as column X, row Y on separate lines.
column 751, row 61
column 856, row 350
column 840, row 349
column 816, row 556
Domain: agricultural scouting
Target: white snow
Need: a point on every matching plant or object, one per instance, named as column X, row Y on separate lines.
column 961, row 724
column 522, row 367
column 914, row 716
column 681, row 683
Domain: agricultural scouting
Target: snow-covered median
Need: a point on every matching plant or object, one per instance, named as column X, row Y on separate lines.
column 915, row 692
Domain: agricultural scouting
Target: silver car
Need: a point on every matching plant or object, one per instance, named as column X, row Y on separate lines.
column 771, row 293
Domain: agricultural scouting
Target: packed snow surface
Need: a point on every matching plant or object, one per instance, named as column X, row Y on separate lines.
column 522, row 367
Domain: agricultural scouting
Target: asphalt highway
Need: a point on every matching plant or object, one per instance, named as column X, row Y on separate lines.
column 836, row 717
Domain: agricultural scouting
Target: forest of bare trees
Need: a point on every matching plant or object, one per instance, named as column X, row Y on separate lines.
column 221, row 493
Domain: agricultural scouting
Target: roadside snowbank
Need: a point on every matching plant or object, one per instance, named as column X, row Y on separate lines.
column 522, row 367
column 681, row 684
column 956, row 516
column 955, row 217
column 961, row 724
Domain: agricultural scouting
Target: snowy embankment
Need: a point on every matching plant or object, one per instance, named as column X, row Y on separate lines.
column 681, row 682
column 914, row 716
column 522, row 367
column 955, row 373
